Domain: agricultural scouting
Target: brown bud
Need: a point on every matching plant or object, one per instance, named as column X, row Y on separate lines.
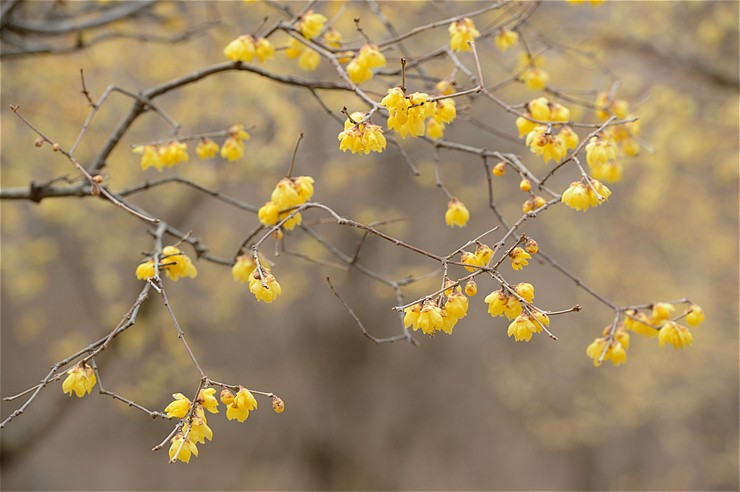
column 38, row 142
column 97, row 179
column 55, row 147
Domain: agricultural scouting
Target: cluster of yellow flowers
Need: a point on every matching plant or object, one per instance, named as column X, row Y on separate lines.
column 524, row 324
column 161, row 156
column 245, row 270
column 246, row 47
column 613, row 348
column 288, row 194
column 233, row 147
column 174, row 153
column 407, row 114
column 480, row 258
column 544, row 111
column 462, row 32
column 173, row 262
column 457, row 213
column 625, row 136
column 601, row 155
column 360, row 68
column 310, row 25
column 586, row 193
column 438, row 315
column 80, row 380
column 361, row 137
column 531, row 72
column 533, row 203
column 540, row 138
column 195, row 428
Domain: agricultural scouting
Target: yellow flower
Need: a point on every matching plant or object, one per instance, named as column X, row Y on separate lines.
column 243, row 403
column 435, row 130
column 185, row 447
column 226, row 397
column 614, row 351
column 207, row 400
column 445, row 87
column 262, row 293
column 461, row 32
column 674, row 334
column 549, row 146
column 80, row 380
column 177, row 264
column 568, row 136
column 243, row 268
column 457, row 305
column 333, row 38
column 525, row 291
column 600, row 150
column 525, row 185
column 241, row 49
column 285, row 195
column 264, row 49
column 457, row 214
column 311, row 24
column 277, row 404
column 505, row 38
column 145, row 270
column 290, row 224
column 309, row 60
column 471, row 288
column 496, row 302
column 581, row 196
column 617, row 107
column 471, row 259
column 411, row 315
column 173, row 153
column 179, row 407
column 430, row 318
column 610, row 172
column 361, row 138
column 535, row 79
column 519, row 258
column 304, row 187
column 695, row 316
column 199, row 431
column 531, row 246
column 268, row 214
column 206, row 149
column 232, row 149
column 294, row 49
column 661, row 311
column 360, row 68
column 522, row 328
column 483, row 253
column 513, row 307
column 499, row 169
column 640, row 325
column 445, row 111
column 149, row 157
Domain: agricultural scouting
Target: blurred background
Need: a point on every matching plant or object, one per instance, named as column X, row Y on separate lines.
column 474, row 410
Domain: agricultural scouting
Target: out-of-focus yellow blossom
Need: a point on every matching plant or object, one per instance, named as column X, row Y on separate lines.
column 206, row 149
column 183, row 448
column 361, row 138
column 695, row 316
column 525, row 290
column 80, row 380
column 445, row 111
column 149, row 157
column 535, row 79
column 292, row 222
column 506, row 38
column 533, row 203
column 581, row 196
column 243, row 403
column 264, row 49
column 623, row 337
column 457, row 214
column 244, row 267
column 522, row 328
column 617, row 107
column 674, row 334
column 661, row 312
column 179, row 407
column 262, row 293
column 173, row 153
column 568, row 136
column 177, row 264
column 332, row 38
column 435, row 130
column 525, row 185
column 308, row 59
column 311, row 24
column 611, row 172
column 519, row 258
column 268, row 214
column 241, row 49
column 547, row 145
column 461, row 32
column 207, row 400
column 445, row 87
column 360, row 68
